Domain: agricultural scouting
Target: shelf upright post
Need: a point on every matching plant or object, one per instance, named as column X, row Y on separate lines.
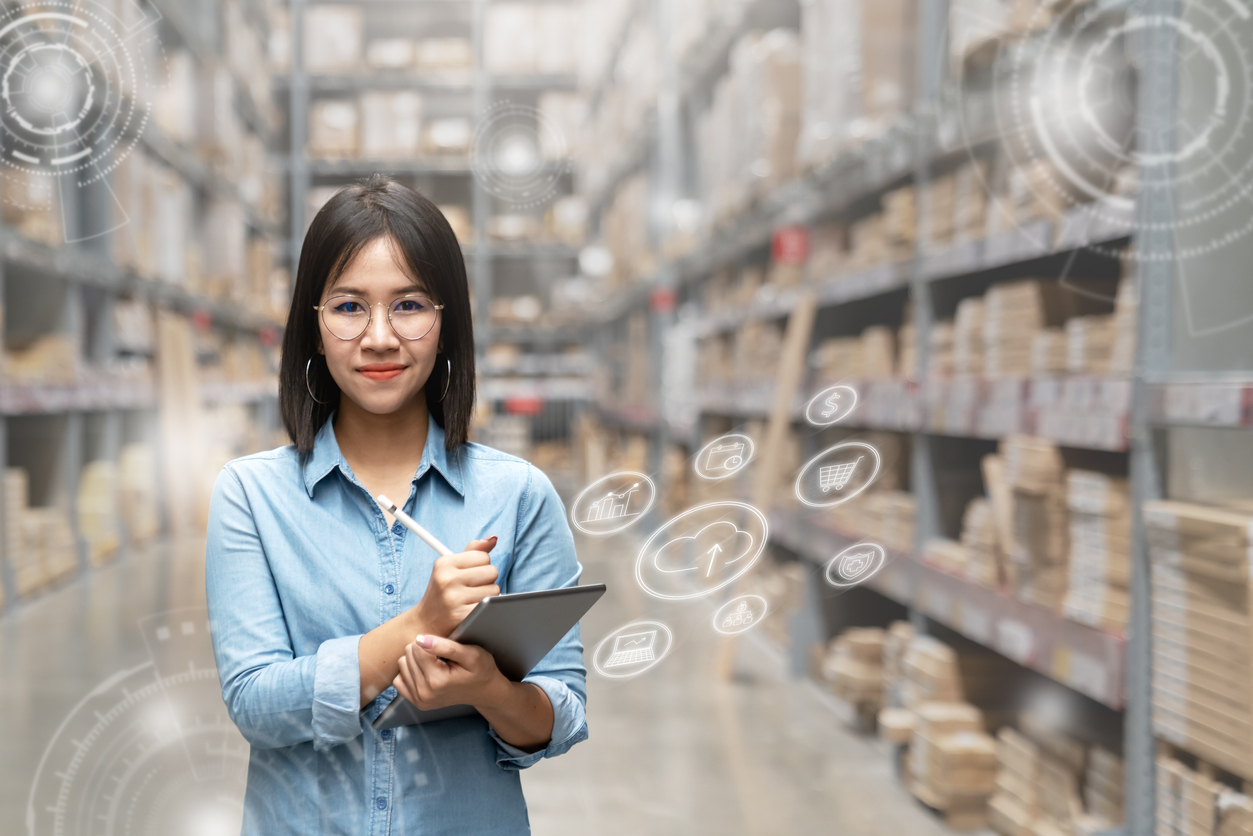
column 72, row 459
column 482, row 280
column 7, row 581
column 297, row 128
column 667, row 172
column 932, row 39
column 1156, row 50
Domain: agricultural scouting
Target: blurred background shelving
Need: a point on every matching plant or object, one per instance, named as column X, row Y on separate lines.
column 683, row 218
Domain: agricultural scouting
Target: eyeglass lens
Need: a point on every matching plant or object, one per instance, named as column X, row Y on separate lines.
column 347, row 317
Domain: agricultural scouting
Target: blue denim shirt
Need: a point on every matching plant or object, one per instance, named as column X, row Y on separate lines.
column 300, row 564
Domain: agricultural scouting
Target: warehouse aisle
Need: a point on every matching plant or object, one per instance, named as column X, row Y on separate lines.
column 675, row 751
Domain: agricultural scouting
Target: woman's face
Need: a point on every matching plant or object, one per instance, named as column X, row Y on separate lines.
column 378, row 370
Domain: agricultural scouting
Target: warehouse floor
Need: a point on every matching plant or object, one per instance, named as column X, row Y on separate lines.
column 677, row 750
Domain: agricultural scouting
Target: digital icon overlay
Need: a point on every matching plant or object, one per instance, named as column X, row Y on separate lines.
column 701, row 550
column 632, row 649
column 855, row 565
column 725, row 456
column 831, row 405
column 740, row 614
column 613, row 502
column 838, row 474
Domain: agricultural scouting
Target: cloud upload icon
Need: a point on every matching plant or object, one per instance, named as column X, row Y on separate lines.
column 715, row 546
column 701, row 550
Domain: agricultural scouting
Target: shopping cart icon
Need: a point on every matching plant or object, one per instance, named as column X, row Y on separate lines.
column 836, row 475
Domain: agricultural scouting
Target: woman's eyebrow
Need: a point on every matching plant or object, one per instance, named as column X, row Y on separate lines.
column 340, row 290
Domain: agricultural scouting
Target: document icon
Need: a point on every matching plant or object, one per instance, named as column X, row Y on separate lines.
column 632, row 648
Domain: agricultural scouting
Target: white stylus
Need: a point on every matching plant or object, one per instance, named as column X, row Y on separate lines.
column 411, row 524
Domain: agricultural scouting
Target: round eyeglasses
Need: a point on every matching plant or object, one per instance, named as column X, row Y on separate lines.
column 347, row 317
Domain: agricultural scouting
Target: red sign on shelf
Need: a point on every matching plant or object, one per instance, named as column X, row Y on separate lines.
column 790, row 245
column 524, row 405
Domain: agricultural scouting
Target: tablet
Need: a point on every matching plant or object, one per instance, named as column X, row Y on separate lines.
column 518, row 630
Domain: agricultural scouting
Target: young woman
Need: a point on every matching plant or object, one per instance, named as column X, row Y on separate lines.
column 323, row 607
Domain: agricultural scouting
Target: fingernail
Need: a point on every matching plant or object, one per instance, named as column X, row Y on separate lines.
column 493, row 538
column 426, row 641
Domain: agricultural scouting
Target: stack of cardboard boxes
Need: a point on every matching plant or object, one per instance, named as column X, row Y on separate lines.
column 1014, row 314
column 983, row 549
column 1193, row 802
column 1099, row 568
column 858, row 79
column 1202, row 638
column 853, row 669
column 1034, row 471
column 38, row 542
column 750, row 150
column 97, row 511
column 953, row 762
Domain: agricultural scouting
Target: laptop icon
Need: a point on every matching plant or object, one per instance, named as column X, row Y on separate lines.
column 632, row 648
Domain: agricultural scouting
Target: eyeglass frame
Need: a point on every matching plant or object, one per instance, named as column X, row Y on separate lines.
column 370, row 315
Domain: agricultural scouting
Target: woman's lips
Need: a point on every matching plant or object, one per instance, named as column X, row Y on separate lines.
column 381, row 371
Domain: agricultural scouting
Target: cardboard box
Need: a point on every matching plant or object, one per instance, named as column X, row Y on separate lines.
column 333, row 38
column 334, row 128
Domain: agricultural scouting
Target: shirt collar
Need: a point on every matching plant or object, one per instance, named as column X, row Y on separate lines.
column 326, row 456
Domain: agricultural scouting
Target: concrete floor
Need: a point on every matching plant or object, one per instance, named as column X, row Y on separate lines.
column 105, row 676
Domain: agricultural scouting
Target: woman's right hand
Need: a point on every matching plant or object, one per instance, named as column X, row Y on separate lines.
column 458, row 582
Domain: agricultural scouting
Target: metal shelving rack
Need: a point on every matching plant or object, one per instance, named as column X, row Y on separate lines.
column 1169, row 401
column 64, row 426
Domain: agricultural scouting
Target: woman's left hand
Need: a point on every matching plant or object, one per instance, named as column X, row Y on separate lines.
column 436, row 672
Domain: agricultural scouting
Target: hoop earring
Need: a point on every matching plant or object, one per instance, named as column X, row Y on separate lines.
column 309, row 388
column 447, row 380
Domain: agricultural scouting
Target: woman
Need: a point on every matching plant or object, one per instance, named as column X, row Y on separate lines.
column 323, row 607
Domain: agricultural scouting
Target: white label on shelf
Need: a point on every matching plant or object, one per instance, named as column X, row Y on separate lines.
column 1089, row 675
column 1015, row 640
column 977, row 623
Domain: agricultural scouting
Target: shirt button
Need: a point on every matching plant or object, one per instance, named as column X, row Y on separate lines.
column 380, row 803
column 389, row 589
column 386, row 734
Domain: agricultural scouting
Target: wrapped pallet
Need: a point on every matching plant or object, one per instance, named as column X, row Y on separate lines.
column 97, row 511
column 1099, row 567
column 1202, row 637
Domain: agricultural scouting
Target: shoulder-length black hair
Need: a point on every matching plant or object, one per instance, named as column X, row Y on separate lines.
column 423, row 238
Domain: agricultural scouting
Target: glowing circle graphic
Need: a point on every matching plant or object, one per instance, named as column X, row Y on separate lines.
column 75, row 84
column 725, row 456
column 837, row 474
column 613, row 503
column 740, row 614
column 1065, row 106
column 831, row 405
column 701, row 550
column 855, row 565
column 519, row 154
column 632, row 649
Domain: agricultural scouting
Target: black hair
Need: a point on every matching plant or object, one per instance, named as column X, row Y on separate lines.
column 425, row 244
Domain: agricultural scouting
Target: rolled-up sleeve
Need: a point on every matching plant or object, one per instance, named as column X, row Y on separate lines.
column 545, row 558
column 274, row 697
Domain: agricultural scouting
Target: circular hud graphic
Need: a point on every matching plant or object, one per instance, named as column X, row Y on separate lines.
column 519, row 155
column 1068, row 99
column 75, row 87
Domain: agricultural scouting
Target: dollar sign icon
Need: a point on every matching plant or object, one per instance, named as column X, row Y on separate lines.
column 832, row 406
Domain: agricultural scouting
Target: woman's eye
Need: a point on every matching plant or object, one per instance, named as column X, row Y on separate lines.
column 410, row 306
column 348, row 308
